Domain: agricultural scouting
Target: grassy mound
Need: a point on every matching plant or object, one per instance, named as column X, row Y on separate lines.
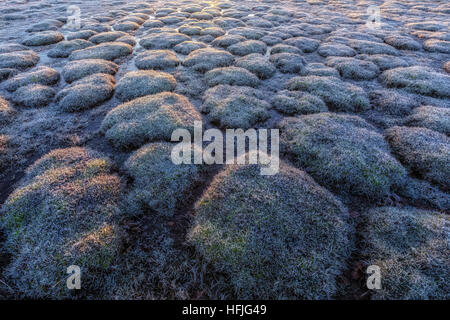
column 141, row 83
column 257, row 64
column 247, row 47
column 422, row 193
column 435, row 45
column 34, row 96
column 41, row 75
column 276, row 237
column 187, row 47
column 306, row 45
column 336, row 50
column 446, row 66
column 62, row 215
column 288, row 62
column 75, row 70
column 206, row 59
column 424, row 151
column 384, row 61
column 82, row 34
column 393, row 102
column 284, row 48
column 163, row 40
column 108, row 51
column 86, row 93
column 434, row 118
column 6, row 73
column 7, row 157
column 158, row 183
column 372, row 47
column 157, row 60
column 227, row 40
column 418, row 80
column 19, row 59
column 108, row 36
column 351, row 68
column 65, row 48
column 6, row 111
column 403, row 42
column 343, row 152
column 411, row 248
column 149, row 118
column 234, row 106
column 291, row 102
column 43, row 38
column 319, row 69
column 232, row 76
column 338, row 95
column 248, row 32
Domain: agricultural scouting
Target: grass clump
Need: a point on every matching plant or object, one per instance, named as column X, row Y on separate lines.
column 82, row 34
column 75, row 70
column 447, row 66
column 149, row 118
column 338, row 95
column 411, row 248
column 19, row 59
column 384, row 61
column 163, row 40
column 291, row 102
column 232, row 76
column 227, row 40
column 434, row 118
column 372, row 47
column 141, row 83
column 403, row 42
column 34, row 96
column 419, row 80
column 247, row 32
column 65, row 48
column 6, row 111
column 235, row 106
column 187, row 47
column 436, row 45
column 336, row 50
column 41, row 75
column 422, row 193
column 343, row 152
column 257, row 64
column 424, row 151
column 62, row 214
column 275, row 237
column 284, row 48
column 212, row 31
column 203, row 60
column 247, row 47
column 86, row 93
column 158, row 183
column 43, row 38
column 351, row 68
column 126, row 26
column 306, row 45
column 6, row 73
column 6, row 153
column 319, row 69
column 107, row 51
column 108, row 36
column 393, row 102
column 157, row 60
column 288, row 62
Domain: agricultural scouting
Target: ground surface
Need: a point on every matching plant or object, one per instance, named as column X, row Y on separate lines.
column 364, row 124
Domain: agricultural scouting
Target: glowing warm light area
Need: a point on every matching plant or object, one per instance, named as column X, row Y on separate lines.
column 224, row 150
